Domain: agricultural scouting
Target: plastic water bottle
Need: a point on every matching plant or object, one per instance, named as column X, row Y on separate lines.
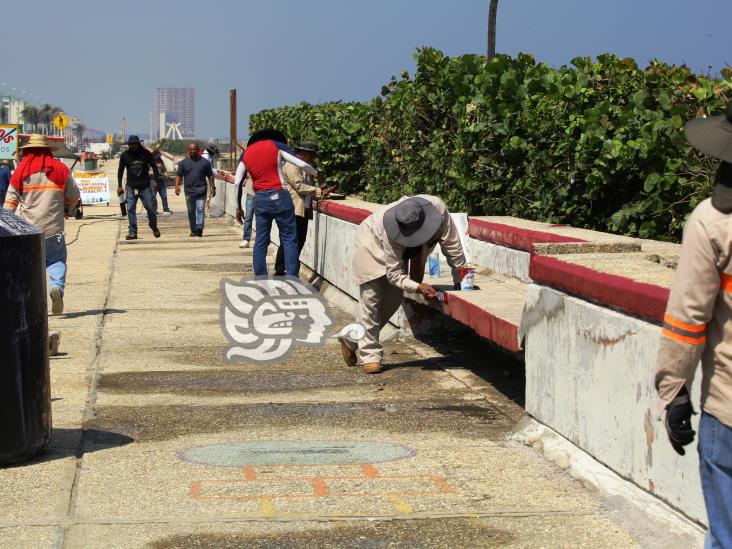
column 433, row 262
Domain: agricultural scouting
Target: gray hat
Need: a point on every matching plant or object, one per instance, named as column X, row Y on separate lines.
column 412, row 222
column 712, row 135
column 310, row 146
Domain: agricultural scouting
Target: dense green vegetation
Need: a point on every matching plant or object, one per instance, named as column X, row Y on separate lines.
column 598, row 144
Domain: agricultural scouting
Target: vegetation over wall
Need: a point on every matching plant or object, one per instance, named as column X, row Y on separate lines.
column 598, row 144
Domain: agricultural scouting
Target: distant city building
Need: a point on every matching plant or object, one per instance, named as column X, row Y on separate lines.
column 175, row 106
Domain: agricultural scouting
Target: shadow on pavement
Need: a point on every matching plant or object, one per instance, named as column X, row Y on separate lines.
column 94, row 312
column 66, row 443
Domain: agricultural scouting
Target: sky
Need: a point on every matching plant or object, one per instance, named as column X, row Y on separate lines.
column 100, row 59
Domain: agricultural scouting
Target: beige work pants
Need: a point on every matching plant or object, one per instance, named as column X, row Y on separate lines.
column 378, row 301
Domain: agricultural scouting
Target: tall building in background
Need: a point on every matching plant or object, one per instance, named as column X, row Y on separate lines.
column 176, row 105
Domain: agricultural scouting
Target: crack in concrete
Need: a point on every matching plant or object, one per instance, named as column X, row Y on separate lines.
column 92, row 375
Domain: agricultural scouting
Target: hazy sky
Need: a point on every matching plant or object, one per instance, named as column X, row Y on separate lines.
column 98, row 58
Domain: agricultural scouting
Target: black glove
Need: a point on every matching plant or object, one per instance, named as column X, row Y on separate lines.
column 678, row 422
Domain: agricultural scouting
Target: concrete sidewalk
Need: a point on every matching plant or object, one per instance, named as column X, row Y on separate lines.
column 159, row 443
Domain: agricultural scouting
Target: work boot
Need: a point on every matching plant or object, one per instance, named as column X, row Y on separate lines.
column 372, row 368
column 57, row 301
column 156, row 232
column 199, row 232
column 131, row 236
column 54, row 340
column 349, row 355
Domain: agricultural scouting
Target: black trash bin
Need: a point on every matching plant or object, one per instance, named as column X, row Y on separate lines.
column 25, row 388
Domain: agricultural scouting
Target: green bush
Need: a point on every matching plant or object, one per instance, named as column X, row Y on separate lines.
column 598, row 144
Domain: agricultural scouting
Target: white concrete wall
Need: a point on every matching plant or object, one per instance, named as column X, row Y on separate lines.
column 502, row 260
column 589, row 376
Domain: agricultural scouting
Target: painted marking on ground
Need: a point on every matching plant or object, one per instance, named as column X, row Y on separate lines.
column 295, row 452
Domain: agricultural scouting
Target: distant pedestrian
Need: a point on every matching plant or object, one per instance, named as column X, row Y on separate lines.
column 42, row 192
column 244, row 187
column 162, row 190
column 138, row 162
column 392, row 246
column 198, row 177
column 264, row 158
column 303, row 191
column 5, row 173
column 698, row 327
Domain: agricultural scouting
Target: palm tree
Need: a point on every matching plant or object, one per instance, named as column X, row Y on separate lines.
column 31, row 116
column 47, row 114
column 492, row 13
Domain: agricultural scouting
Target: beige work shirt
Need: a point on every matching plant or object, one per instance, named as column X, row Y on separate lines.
column 697, row 321
column 376, row 256
column 43, row 202
column 301, row 188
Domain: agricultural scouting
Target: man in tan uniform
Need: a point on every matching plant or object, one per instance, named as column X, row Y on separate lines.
column 42, row 191
column 303, row 192
column 697, row 327
column 392, row 246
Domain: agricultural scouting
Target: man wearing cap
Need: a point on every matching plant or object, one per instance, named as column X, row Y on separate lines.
column 392, row 246
column 698, row 326
column 138, row 162
column 303, row 192
column 42, row 191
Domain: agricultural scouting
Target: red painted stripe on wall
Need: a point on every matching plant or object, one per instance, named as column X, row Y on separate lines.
column 640, row 299
column 513, row 237
column 342, row 211
column 494, row 328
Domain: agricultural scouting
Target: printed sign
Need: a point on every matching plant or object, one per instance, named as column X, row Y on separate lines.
column 61, row 121
column 93, row 186
column 8, row 142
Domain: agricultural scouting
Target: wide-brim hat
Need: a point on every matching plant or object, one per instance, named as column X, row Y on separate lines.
column 267, row 134
column 133, row 139
column 412, row 222
column 37, row 141
column 712, row 135
column 309, row 146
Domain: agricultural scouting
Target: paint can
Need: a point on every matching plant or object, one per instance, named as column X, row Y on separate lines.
column 467, row 278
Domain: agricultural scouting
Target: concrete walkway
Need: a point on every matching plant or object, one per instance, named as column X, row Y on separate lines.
column 159, row 443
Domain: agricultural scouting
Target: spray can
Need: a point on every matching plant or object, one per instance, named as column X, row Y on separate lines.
column 433, row 263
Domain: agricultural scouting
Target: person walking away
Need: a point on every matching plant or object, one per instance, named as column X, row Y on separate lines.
column 264, row 159
column 42, row 192
column 196, row 172
column 244, row 185
column 161, row 190
column 302, row 191
column 392, row 246
column 698, row 326
column 138, row 162
column 5, row 173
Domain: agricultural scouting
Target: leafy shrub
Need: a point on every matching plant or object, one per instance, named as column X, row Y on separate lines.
column 598, row 144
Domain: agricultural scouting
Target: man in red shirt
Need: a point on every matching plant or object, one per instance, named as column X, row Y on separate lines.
column 265, row 156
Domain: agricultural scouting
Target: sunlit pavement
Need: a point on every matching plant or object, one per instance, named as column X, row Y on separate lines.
column 158, row 442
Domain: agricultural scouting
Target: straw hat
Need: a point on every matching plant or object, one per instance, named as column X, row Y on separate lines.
column 37, row 141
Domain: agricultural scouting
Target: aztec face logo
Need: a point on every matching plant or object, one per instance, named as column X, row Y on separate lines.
column 265, row 319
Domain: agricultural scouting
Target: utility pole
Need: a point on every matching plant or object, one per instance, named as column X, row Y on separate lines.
column 232, row 128
column 122, row 126
column 492, row 16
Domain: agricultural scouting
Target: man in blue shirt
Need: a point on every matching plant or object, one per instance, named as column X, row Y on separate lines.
column 4, row 180
column 195, row 171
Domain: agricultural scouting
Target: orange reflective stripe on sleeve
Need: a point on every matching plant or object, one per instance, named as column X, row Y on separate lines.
column 727, row 282
column 691, row 340
column 668, row 319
